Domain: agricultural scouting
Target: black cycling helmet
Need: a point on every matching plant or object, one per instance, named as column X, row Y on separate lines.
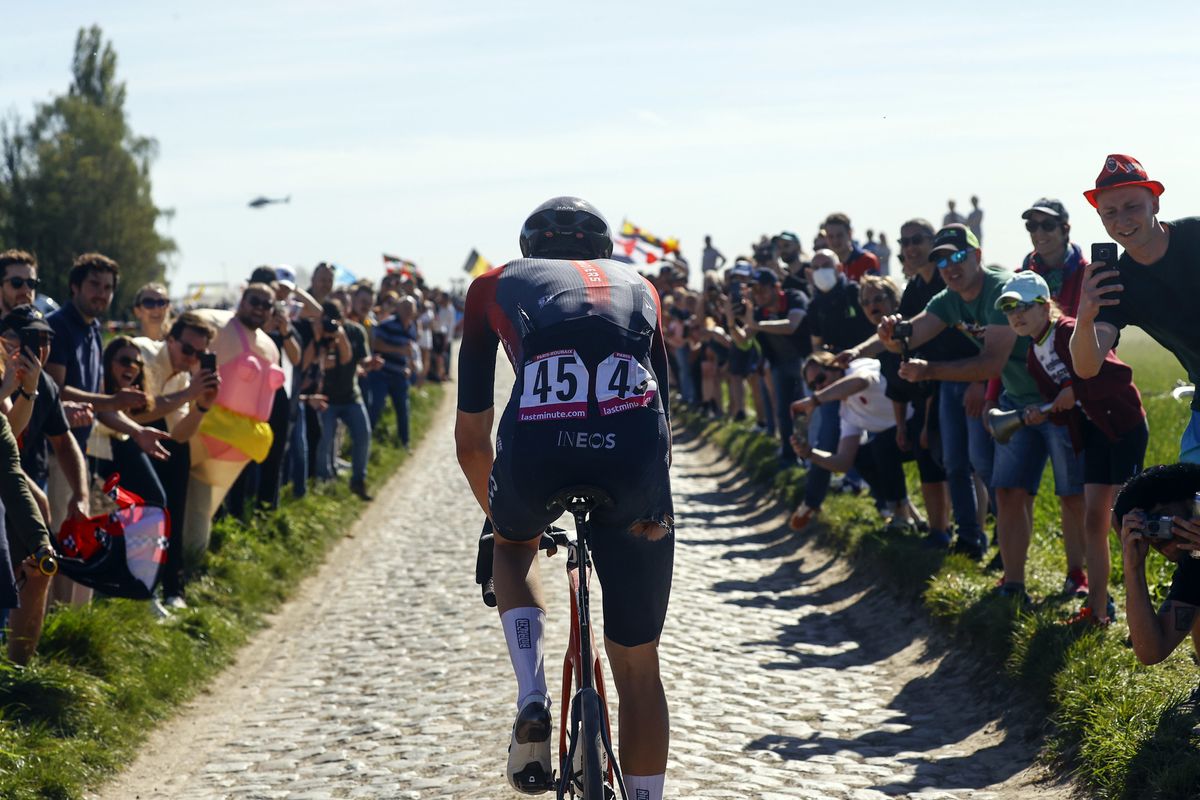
column 566, row 227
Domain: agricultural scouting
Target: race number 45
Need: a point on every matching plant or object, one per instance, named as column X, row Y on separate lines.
column 622, row 383
column 555, row 387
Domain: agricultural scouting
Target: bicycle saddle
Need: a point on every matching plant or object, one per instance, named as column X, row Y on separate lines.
column 580, row 498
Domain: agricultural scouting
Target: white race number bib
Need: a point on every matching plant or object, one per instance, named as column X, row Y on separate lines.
column 555, row 388
column 622, row 383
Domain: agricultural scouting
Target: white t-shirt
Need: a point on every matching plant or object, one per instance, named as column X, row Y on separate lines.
column 870, row 410
column 1047, row 356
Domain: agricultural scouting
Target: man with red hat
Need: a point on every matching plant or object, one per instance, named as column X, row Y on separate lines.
column 1154, row 285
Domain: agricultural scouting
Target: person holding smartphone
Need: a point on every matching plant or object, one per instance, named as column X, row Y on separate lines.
column 1166, row 495
column 1153, row 285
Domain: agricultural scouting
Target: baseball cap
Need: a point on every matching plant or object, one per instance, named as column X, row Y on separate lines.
column 285, row 276
column 788, row 236
column 1048, row 206
column 26, row 318
column 1026, row 286
column 951, row 239
column 765, row 277
column 1122, row 170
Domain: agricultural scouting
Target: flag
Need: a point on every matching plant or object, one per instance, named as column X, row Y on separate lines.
column 393, row 263
column 630, row 230
column 342, row 275
column 476, row 264
column 624, row 250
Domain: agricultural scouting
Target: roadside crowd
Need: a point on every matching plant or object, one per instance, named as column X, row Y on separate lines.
column 204, row 413
column 977, row 373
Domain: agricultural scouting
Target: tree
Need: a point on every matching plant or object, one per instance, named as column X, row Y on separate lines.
column 76, row 179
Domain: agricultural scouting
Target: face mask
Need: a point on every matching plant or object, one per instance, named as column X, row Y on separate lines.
column 824, row 278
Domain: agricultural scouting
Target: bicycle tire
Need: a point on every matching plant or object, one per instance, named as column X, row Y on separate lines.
column 595, row 772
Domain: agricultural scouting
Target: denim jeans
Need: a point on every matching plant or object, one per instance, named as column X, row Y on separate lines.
column 385, row 384
column 355, row 417
column 965, row 443
column 789, row 386
column 1189, row 444
column 1021, row 461
column 827, row 426
column 684, row 370
column 136, row 471
column 296, row 461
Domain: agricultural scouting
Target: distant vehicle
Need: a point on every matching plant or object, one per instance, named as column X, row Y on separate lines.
column 259, row 202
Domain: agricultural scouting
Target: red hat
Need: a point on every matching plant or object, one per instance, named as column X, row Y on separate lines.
column 1122, row 170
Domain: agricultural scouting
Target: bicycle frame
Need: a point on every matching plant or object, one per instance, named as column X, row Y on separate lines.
column 581, row 665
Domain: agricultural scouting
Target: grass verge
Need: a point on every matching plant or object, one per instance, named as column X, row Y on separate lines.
column 1120, row 729
column 107, row 672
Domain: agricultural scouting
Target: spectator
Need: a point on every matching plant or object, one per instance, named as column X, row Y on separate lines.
column 443, row 333
column 884, row 253
column 975, row 219
column 952, row 216
column 1104, row 414
column 968, row 303
column 1055, row 257
column 24, row 539
column 18, row 279
column 179, row 406
column 745, row 353
column 712, row 259
column 322, row 282
column 1165, row 491
column 395, row 340
column 788, row 246
column 1153, row 285
column 350, row 353
column 30, row 399
column 152, row 307
column 74, row 363
column 855, row 261
column 778, row 321
column 234, row 430
column 869, row 414
column 956, row 412
column 114, row 452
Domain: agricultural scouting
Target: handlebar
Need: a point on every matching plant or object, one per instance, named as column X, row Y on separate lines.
column 552, row 538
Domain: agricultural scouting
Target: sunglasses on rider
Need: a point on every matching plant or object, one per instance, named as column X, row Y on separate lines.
column 154, row 302
column 126, row 361
column 1009, row 305
column 956, row 258
column 1047, row 225
column 919, row 239
column 17, row 283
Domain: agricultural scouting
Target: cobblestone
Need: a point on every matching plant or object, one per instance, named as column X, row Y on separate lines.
column 787, row 676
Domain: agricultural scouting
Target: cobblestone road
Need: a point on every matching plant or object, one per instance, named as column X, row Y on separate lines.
column 387, row 678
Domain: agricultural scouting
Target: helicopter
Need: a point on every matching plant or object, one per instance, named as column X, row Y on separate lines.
column 261, row 201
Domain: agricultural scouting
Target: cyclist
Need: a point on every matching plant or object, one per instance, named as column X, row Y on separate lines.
column 584, row 336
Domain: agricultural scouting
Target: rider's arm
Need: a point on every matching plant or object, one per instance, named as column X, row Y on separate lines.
column 473, row 443
column 476, row 384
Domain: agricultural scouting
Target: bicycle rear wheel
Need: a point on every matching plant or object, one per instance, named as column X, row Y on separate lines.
column 594, row 779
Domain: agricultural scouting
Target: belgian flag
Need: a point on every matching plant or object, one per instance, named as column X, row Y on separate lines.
column 476, row 264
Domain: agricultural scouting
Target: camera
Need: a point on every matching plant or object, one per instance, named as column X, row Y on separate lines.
column 903, row 330
column 330, row 325
column 1158, row 528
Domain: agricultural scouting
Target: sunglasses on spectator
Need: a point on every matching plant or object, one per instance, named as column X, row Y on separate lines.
column 956, row 258
column 154, row 302
column 920, row 238
column 17, row 283
column 877, row 300
column 261, row 303
column 819, row 381
column 126, row 361
column 1047, row 225
column 1010, row 305
column 189, row 351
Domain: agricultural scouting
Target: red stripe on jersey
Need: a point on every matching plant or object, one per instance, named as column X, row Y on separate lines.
column 594, row 281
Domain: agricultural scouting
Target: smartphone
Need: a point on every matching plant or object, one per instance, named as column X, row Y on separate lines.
column 32, row 341
column 1106, row 252
column 208, row 361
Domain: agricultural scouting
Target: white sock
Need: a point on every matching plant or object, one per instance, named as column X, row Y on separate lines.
column 645, row 787
column 524, row 630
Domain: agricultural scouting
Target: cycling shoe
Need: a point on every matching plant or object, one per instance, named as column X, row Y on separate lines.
column 529, row 770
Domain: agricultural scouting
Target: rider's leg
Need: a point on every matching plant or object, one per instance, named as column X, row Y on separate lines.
column 643, row 718
column 522, row 612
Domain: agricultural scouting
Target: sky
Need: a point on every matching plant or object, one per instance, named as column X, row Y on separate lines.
column 426, row 130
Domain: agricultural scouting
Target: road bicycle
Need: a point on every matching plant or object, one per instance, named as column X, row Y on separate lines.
column 588, row 768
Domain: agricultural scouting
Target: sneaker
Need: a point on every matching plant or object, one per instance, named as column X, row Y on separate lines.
column 1014, row 590
column 996, row 564
column 359, row 488
column 1085, row 616
column 529, row 770
column 175, row 603
column 802, row 516
column 975, row 548
column 1076, row 584
column 899, row 526
column 936, row 540
column 160, row 612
